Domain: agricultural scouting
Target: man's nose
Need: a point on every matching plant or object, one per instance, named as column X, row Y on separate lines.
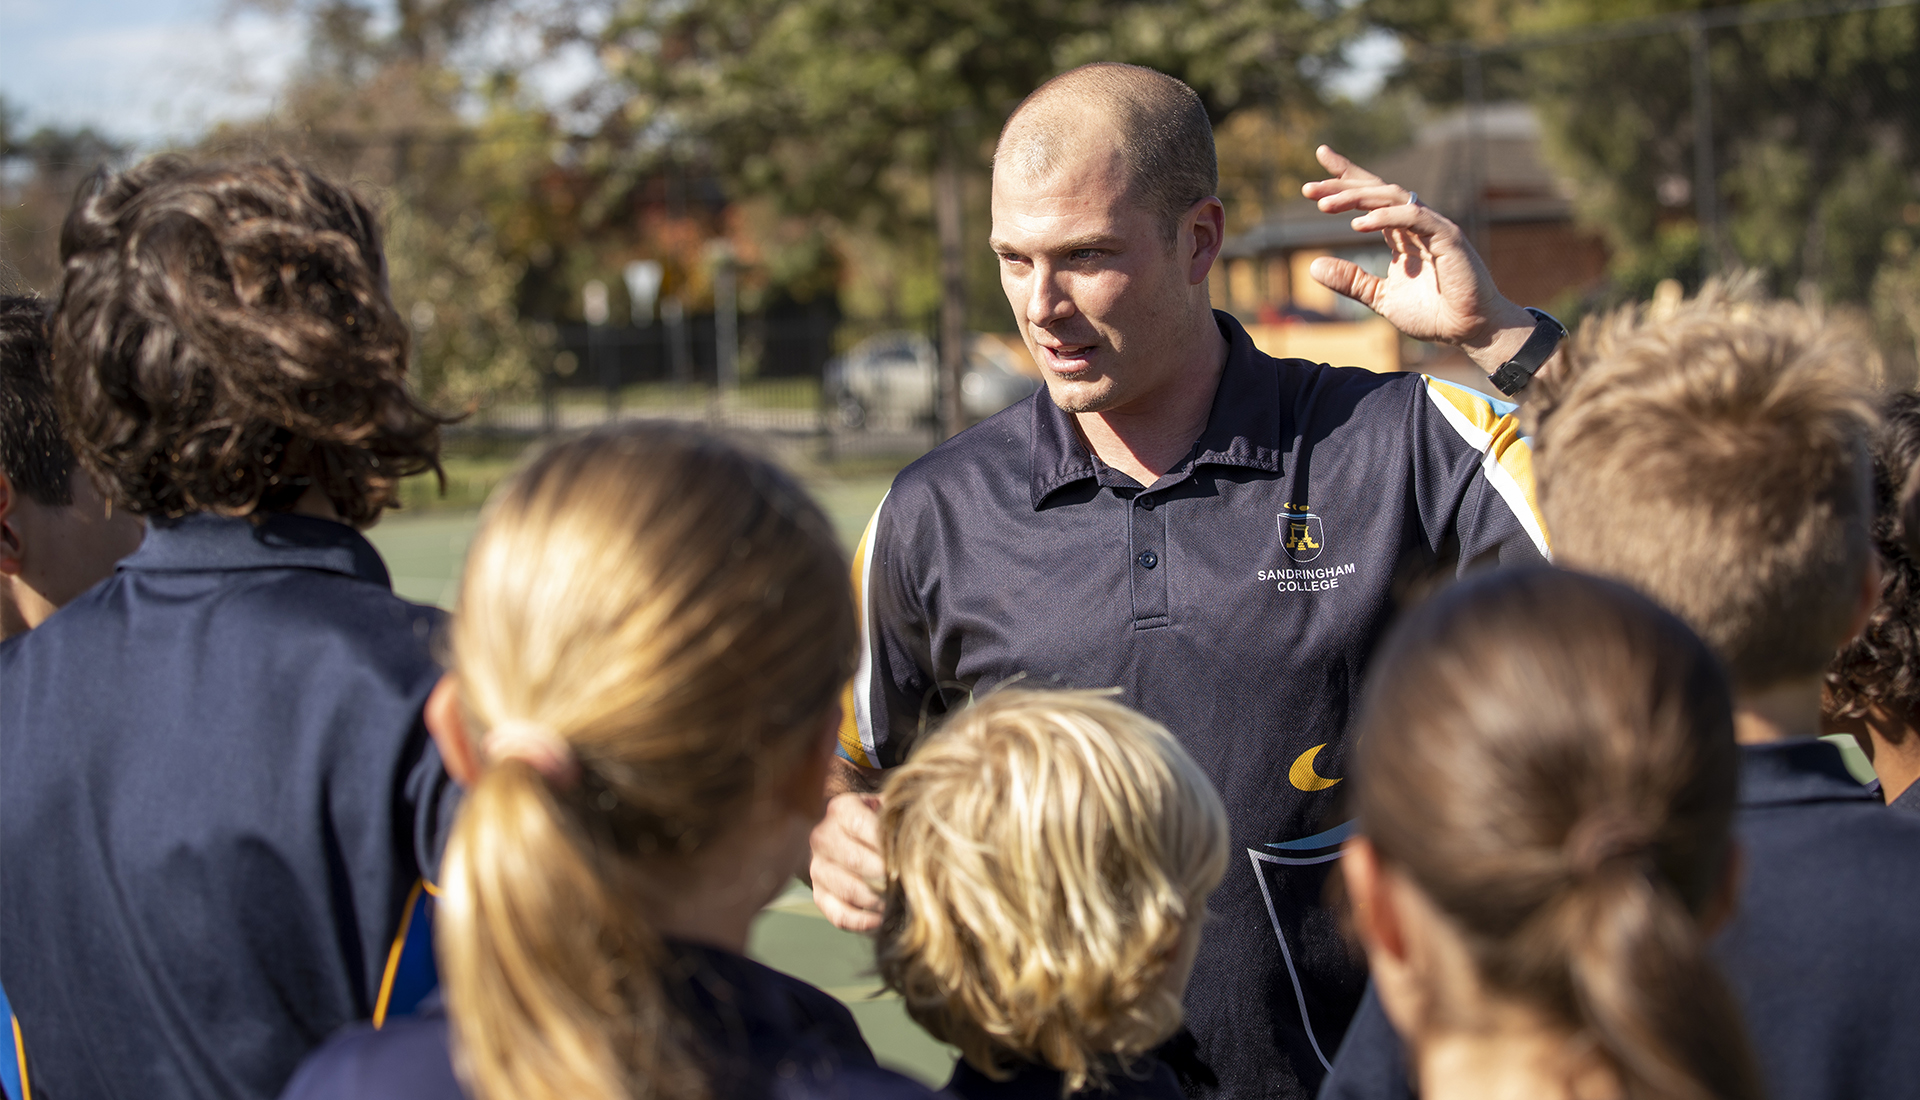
column 1047, row 298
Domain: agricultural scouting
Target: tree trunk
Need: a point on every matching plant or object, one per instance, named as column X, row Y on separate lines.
column 948, row 211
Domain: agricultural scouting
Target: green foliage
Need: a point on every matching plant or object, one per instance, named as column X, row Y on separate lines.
column 43, row 167
column 1814, row 123
column 837, row 110
column 453, row 167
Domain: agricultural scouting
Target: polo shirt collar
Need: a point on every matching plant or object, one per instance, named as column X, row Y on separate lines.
column 1243, row 427
column 1801, row 770
column 204, row 543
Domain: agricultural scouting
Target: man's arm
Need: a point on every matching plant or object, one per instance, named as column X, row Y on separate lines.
column 1436, row 288
column 844, row 865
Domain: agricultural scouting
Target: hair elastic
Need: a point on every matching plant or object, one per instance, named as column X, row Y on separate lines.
column 537, row 746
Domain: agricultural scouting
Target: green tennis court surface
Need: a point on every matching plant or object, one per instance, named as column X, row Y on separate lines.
column 424, row 551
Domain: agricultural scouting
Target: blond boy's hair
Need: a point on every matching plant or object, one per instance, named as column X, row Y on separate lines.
column 1712, row 453
column 1048, row 860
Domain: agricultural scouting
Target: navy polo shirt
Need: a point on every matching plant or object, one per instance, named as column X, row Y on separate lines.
column 1237, row 600
column 216, row 797
column 766, row 1035
column 1823, row 953
column 1145, row 1079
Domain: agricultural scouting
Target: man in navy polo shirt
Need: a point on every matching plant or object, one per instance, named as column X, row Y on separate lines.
column 1221, row 535
column 218, row 802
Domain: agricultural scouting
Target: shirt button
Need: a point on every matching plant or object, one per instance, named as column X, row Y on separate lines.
column 1148, row 559
column 1147, row 503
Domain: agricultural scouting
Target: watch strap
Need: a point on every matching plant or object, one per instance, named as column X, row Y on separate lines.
column 1515, row 373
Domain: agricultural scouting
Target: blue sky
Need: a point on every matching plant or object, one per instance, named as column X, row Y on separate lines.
column 145, row 70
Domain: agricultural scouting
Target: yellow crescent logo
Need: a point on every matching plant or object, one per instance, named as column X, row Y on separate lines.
column 1302, row 774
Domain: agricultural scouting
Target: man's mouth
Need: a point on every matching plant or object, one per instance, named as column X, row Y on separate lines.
column 1066, row 358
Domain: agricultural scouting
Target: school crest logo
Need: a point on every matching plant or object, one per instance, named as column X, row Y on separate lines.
column 1301, row 535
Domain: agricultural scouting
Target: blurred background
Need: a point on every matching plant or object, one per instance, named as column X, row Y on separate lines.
column 770, row 215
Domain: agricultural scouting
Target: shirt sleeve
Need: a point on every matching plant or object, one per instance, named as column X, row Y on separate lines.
column 1473, row 476
column 885, row 701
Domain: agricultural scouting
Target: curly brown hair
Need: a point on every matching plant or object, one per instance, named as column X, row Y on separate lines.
column 1881, row 667
column 33, row 453
column 225, row 341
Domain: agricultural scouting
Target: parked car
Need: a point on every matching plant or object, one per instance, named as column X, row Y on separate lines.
column 891, row 379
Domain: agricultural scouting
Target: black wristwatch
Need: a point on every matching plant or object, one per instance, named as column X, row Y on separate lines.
column 1515, row 373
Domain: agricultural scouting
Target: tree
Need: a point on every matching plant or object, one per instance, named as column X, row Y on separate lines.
column 1813, row 130
column 847, row 109
column 41, row 171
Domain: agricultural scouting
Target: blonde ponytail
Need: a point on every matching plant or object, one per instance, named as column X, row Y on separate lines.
column 527, row 923
column 1550, row 759
column 674, row 615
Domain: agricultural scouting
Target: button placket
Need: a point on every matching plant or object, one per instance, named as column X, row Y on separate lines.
column 1147, row 543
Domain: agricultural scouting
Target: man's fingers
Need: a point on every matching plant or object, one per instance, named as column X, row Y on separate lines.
column 846, row 917
column 851, row 892
column 1418, row 219
column 1344, row 195
column 1342, row 167
column 1345, row 277
column 853, row 819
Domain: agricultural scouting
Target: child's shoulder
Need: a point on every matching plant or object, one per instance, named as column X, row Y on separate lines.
column 407, row 1059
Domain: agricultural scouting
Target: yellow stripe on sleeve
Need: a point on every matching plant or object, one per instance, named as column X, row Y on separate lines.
column 1495, row 433
column 852, row 745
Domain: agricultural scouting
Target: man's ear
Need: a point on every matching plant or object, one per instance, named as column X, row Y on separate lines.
column 1207, row 221
column 12, row 546
column 448, row 725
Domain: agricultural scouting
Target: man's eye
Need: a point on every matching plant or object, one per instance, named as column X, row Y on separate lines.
column 1082, row 255
column 1012, row 258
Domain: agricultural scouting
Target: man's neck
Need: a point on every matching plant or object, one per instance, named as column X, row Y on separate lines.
column 1150, row 436
column 1782, row 712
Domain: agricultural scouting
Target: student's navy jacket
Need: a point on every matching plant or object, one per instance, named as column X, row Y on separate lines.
column 1823, row 953
column 217, row 801
column 1147, row 1079
column 768, row 1036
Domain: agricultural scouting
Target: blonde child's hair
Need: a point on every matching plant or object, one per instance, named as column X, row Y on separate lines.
column 677, row 613
column 1048, row 858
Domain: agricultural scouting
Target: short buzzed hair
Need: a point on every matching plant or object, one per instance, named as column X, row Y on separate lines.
column 1715, row 457
column 1167, row 141
column 33, row 453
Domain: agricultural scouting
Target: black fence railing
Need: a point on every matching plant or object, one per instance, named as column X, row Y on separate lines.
column 615, row 356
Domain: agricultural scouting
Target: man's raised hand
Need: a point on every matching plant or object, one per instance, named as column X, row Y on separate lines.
column 847, row 872
column 1436, row 288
